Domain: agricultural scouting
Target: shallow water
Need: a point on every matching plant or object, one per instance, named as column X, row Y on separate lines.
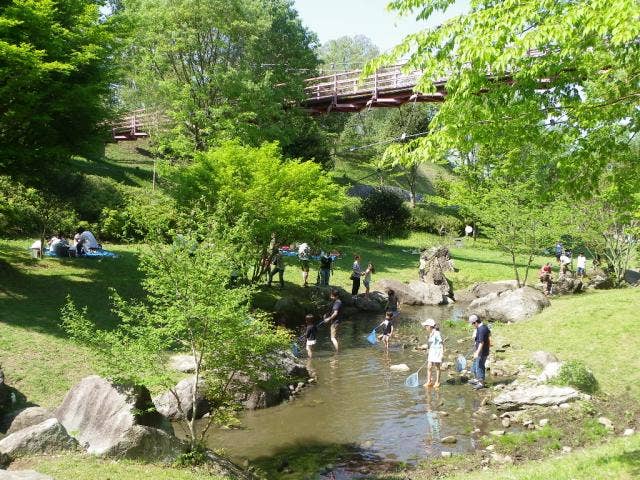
column 357, row 401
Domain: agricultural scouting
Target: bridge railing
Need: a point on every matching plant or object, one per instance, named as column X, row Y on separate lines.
column 351, row 83
column 138, row 123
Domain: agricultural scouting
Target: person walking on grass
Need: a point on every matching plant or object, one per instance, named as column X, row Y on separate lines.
column 367, row 278
column 303, row 255
column 334, row 317
column 278, row 267
column 581, row 265
column 387, row 329
column 436, row 352
column 356, row 273
column 326, row 265
column 480, row 352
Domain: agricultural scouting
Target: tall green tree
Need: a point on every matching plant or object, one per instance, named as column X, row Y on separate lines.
column 55, row 70
column 562, row 75
column 347, row 53
column 296, row 200
column 220, row 69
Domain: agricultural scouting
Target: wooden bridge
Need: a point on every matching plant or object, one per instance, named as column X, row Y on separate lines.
column 137, row 124
column 348, row 92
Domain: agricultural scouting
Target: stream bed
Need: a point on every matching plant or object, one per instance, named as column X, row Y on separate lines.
column 359, row 416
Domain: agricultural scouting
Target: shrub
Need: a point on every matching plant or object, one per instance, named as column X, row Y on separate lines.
column 97, row 193
column 434, row 219
column 574, row 373
column 385, row 214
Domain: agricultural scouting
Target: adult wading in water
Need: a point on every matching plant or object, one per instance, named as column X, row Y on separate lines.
column 356, row 273
column 334, row 317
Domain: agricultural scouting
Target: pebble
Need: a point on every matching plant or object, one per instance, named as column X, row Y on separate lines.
column 496, row 433
column 543, row 422
column 526, row 422
column 401, row 367
column 476, row 431
column 606, row 423
column 445, row 454
column 300, row 384
column 490, row 448
column 628, row 432
column 443, row 413
column 501, row 458
column 449, row 439
column 566, row 449
column 564, row 406
column 312, row 380
column 494, row 416
column 460, row 409
column 506, row 422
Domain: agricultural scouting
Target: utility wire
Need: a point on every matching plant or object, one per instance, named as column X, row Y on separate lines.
column 401, row 138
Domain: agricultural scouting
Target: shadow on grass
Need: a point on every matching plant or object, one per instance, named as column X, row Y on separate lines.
column 33, row 291
column 629, row 459
column 132, row 173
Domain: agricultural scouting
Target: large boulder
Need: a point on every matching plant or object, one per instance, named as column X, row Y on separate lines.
column 510, row 305
column 567, row 284
column 116, row 421
column 551, row 371
column 600, row 280
column 24, row 418
column 545, row 395
column 178, row 404
column 23, row 475
column 429, row 293
column 543, row 358
column 405, row 293
column 482, row 289
column 46, row 437
column 369, row 304
column 632, row 277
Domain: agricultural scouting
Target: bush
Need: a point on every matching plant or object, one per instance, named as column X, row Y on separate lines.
column 97, row 193
column 575, row 374
column 385, row 214
column 434, row 219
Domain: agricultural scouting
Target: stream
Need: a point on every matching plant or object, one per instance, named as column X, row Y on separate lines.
column 359, row 411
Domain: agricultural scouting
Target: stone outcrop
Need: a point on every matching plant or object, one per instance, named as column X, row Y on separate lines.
column 482, row 289
column 430, row 293
column 567, row 284
column 24, row 418
column 551, row 371
column 545, row 395
column 116, row 421
column 542, row 358
column 46, row 437
column 510, row 305
column 178, row 404
column 23, row 475
column 405, row 294
column 599, row 280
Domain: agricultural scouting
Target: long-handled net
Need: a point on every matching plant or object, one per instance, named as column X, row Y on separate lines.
column 413, row 380
column 372, row 338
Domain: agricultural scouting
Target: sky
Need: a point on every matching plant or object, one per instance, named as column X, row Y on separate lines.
column 331, row 19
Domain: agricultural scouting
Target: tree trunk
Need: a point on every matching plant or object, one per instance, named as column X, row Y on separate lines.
column 515, row 268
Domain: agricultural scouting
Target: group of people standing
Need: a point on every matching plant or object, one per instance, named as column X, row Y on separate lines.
column 564, row 259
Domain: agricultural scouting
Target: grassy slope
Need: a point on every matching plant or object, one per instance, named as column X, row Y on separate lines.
column 86, row 467
column 599, row 328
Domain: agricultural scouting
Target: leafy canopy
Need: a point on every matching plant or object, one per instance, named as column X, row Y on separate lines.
column 563, row 75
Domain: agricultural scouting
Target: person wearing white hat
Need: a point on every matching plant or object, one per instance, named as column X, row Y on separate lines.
column 436, row 352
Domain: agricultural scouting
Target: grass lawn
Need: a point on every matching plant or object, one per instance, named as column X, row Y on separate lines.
column 598, row 328
column 87, row 467
column 36, row 356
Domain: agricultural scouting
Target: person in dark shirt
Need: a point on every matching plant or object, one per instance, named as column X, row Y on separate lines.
column 334, row 317
column 481, row 350
column 310, row 333
column 386, row 329
column 392, row 304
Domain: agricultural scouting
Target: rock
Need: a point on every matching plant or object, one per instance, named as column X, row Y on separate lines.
column 628, row 432
column 23, row 475
column 368, row 304
column 483, row 289
column 535, row 395
column 428, row 293
column 405, row 294
column 445, row 454
column 46, row 437
column 289, row 309
column 490, row 448
column 511, row 305
column 400, row 367
column 450, row 439
column 21, row 419
column 106, row 420
column 606, row 423
column 600, row 280
column 543, row 422
column 566, row 284
column 551, row 371
column 543, row 358
column 566, row 449
column 182, row 407
column 564, row 406
column 632, row 277
column 183, row 363
column 501, row 459
column 496, row 433
column 506, row 422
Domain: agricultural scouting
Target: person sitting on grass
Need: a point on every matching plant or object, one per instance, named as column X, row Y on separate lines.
column 85, row 242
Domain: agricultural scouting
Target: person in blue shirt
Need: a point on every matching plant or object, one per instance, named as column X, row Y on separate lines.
column 481, row 351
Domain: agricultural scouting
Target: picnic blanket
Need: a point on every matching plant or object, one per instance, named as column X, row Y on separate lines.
column 99, row 253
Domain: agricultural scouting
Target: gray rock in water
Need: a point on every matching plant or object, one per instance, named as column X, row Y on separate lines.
column 182, row 363
column 46, row 437
column 405, row 294
column 543, row 358
column 182, row 406
column 429, row 293
column 544, row 395
column 27, row 417
column 23, row 475
column 103, row 415
column 368, row 304
column 511, row 305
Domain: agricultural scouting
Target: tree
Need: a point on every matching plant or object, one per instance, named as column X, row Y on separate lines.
column 562, row 75
column 347, row 53
column 54, row 82
column 296, row 200
column 219, row 69
column 188, row 305
column 385, row 214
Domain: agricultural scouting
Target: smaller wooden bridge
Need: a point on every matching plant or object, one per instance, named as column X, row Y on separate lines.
column 136, row 124
column 348, row 92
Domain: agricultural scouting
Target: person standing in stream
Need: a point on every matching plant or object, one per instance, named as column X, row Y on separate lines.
column 481, row 351
column 334, row 317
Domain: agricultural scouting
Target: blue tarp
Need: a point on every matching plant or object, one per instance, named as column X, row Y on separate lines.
column 92, row 254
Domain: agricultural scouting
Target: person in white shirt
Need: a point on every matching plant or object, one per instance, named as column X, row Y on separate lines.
column 85, row 242
column 581, row 265
column 565, row 260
